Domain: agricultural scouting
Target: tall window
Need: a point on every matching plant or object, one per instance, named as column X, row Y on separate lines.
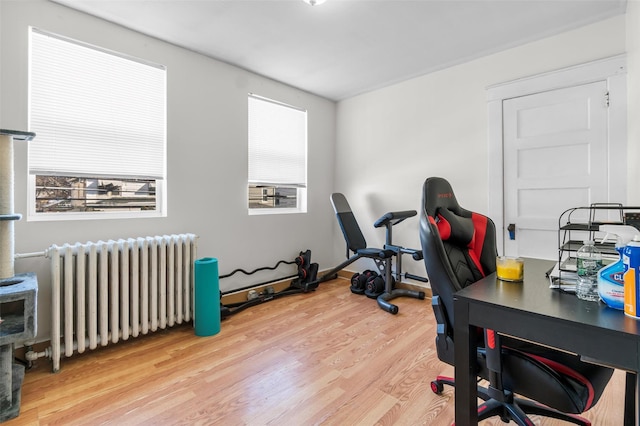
column 100, row 124
column 277, row 157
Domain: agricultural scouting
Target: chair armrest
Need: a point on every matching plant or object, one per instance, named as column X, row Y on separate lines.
column 441, row 319
column 444, row 343
column 493, row 348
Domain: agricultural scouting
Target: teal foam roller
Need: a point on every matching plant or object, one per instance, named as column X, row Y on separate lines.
column 207, row 297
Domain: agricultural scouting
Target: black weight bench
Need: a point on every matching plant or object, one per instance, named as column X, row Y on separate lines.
column 383, row 257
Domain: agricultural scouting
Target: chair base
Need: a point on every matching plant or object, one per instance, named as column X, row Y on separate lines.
column 516, row 410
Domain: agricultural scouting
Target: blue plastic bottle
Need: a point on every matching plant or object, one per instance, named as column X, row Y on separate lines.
column 611, row 283
column 611, row 277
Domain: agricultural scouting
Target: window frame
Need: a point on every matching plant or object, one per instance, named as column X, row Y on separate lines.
column 34, row 216
column 300, row 187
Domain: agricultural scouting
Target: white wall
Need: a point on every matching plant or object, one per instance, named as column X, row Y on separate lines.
column 207, row 155
column 633, row 101
column 389, row 141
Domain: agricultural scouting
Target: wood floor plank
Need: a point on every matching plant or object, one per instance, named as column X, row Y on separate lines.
column 327, row 357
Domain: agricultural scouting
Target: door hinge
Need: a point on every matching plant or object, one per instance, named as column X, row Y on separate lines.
column 606, row 99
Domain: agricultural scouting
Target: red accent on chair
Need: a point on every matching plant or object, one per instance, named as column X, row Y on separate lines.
column 491, row 339
column 477, row 244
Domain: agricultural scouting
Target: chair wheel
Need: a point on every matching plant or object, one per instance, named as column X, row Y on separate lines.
column 437, row 387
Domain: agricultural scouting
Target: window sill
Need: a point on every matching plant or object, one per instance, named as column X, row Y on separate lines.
column 51, row 217
column 273, row 211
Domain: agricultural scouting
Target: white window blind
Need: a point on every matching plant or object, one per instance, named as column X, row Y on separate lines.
column 95, row 113
column 277, row 143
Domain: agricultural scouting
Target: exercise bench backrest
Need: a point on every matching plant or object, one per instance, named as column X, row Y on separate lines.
column 348, row 224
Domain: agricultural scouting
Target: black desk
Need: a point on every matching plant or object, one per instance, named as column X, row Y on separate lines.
column 532, row 311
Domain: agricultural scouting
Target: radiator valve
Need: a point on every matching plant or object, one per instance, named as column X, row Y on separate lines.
column 33, row 356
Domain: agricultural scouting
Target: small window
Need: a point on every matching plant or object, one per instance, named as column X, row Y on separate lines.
column 277, row 157
column 100, row 124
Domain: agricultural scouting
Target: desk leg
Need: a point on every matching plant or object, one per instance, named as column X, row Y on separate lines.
column 630, row 399
column 466, row 392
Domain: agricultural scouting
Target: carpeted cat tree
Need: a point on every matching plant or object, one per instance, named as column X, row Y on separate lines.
column 17, row 292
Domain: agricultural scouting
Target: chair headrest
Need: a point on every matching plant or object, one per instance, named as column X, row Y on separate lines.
column 455, row 229
column 440, row 196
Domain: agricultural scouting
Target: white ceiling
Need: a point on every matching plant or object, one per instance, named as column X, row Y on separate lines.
column 344, row 48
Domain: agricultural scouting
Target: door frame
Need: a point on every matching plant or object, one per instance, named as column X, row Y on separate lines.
column 612, row 70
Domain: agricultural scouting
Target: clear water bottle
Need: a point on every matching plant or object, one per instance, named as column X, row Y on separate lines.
column 589, row 260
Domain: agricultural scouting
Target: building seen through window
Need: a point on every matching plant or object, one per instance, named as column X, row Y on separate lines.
column 75, row 194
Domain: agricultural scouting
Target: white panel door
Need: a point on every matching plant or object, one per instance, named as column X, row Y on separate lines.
column 555, row 158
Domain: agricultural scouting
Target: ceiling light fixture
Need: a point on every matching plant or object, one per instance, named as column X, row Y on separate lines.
column 314, row 2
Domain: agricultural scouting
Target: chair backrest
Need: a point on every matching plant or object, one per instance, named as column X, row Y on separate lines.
column 348, row 224
column 459, row 246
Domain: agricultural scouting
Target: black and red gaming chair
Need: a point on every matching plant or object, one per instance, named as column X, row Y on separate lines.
column 459, row 248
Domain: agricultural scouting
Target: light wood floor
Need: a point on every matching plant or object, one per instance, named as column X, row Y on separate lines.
column 327, row 357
